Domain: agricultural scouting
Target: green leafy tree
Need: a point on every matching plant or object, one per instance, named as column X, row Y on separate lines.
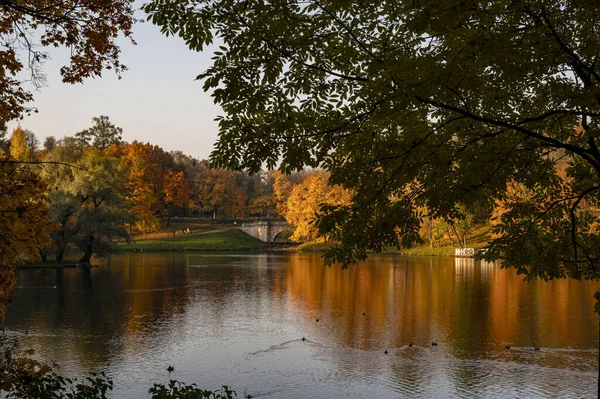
column 100, row 185
column 101, row 135
column 416, row 104
column 88, row 203
column 63, row 207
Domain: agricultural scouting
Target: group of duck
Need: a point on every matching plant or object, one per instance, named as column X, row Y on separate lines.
column 535, row 348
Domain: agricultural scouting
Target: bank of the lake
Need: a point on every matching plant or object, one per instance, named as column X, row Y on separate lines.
column 52, row 264
column 227, row 240
column 478, row 240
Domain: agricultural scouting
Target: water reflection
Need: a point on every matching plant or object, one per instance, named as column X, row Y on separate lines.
column 238, row 319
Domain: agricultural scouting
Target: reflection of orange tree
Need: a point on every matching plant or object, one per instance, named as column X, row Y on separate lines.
column 401, row 303
column 471, row 309
column 559, row 309
column 463, row 304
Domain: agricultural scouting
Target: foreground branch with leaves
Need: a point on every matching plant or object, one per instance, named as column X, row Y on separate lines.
column 89, row 28
column 416, row 105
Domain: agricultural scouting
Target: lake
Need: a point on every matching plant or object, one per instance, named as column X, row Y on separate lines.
column 239, row 320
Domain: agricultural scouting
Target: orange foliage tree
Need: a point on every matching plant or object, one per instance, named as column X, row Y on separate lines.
column 238, row 203
column 216, row 191
column 156, row 187
column 176, row 191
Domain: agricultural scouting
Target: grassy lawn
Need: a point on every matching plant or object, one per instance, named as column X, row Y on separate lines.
column 313, row 246
column 220, row 241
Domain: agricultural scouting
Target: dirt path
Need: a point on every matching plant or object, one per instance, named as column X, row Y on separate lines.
column 169, row 234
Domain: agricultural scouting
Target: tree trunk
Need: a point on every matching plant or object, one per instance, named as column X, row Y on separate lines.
column 87, row 256
column 457, row 236
column 88, row 251
column 168, row 218
column 429, row 233
column 60, row 254
column 43, row 254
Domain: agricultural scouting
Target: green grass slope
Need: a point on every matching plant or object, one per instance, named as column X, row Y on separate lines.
column 221, row 241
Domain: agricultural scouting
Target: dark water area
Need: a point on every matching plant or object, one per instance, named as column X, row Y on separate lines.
column 239, row 320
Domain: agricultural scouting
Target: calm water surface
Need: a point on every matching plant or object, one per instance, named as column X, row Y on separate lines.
column 239, row 320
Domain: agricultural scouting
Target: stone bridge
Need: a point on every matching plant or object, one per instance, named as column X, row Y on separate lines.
column 264, row 230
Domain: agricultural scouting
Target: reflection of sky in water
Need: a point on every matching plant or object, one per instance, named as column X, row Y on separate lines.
column 239, row 320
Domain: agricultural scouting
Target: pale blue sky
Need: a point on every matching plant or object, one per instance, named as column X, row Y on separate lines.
column 156, row 101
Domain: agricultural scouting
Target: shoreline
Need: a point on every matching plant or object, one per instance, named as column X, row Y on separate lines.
column 233, row 240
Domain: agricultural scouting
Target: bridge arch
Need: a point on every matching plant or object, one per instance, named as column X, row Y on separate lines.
column 264, row 230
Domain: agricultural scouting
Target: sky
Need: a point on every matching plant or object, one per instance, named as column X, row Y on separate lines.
column 157, row 100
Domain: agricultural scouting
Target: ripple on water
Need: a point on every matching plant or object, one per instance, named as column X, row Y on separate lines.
column 238, row 320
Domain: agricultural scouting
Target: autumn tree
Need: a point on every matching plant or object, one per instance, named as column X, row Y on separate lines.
column 195, row 170
column 156, row 187
column 238, row 203
column 89, row 28
column 176, row 192
column 282, row 189
column 306, row 200
column 18, row 145
column 24, row 221
column 143, row 193
column 216, row 191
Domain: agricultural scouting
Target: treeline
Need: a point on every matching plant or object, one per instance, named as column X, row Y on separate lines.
column 92, row 189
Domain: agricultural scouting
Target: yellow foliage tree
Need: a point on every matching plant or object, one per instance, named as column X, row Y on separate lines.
column 306, row 199
column 18, row 145
column 282, row 189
